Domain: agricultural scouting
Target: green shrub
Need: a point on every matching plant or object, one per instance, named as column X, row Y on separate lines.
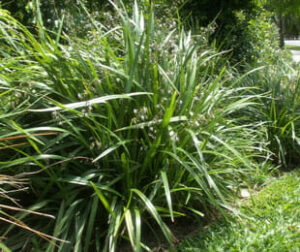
column 246, row 28
column 253, row 39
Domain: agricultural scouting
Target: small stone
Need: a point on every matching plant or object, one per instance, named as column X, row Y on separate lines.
column 244, row 193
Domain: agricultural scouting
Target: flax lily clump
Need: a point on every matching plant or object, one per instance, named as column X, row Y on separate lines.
column 127, row 130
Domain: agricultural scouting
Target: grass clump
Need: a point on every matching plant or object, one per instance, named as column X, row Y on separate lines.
column 272, row 223
column 280, row 111
column 121, row 134
column 126, row 130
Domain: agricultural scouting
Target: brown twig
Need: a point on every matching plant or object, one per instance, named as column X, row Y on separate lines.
column 29, row 135
column 27, row 211
column 12, row 145
column 24, row 226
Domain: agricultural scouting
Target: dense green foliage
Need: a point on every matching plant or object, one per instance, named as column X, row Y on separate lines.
column 232, row 22
column 135, row 125
column 203, row 12
column 26, row 11
column 246, row 28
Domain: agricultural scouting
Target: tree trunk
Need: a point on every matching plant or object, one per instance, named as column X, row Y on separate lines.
column 281, row 31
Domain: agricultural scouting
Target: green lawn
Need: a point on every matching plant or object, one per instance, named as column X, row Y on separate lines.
column 292, row 47
column 273, row 224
